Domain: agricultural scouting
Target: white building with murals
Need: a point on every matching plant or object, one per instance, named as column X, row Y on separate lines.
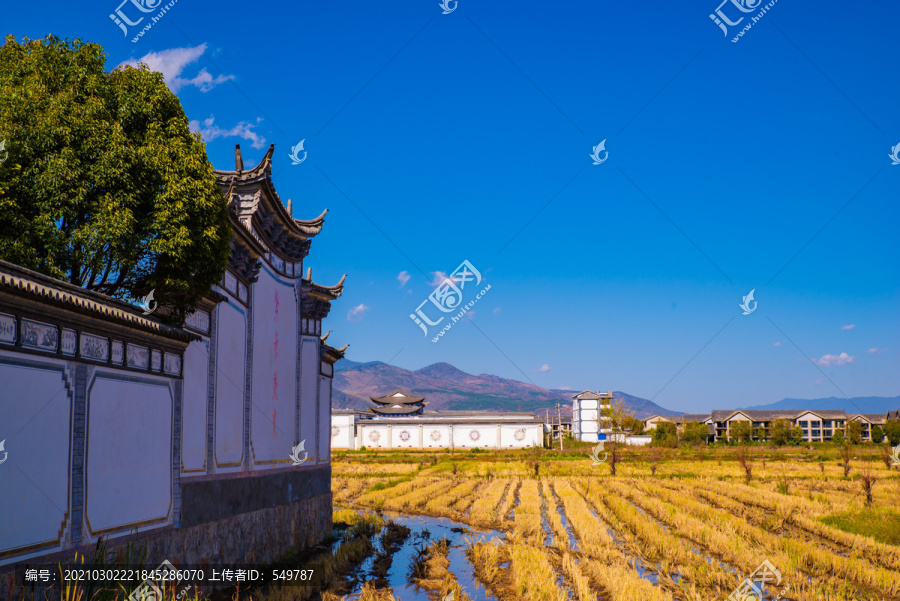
column 398, row 420
column 120, row 427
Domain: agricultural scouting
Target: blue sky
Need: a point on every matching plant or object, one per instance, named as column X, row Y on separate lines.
column 436, row 138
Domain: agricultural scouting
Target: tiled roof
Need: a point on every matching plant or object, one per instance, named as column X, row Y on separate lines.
column 771, row 415
column 27, row 283
column 588, row 395
column 397, row 397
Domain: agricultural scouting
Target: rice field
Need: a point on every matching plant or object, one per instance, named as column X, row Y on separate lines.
column 562, row 528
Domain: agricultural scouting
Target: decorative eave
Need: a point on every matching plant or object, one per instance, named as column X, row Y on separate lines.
column 390, row 399
column 315, row 299
column 22, row 282
column 324, row 292
column 331, row 355
column 252, row 199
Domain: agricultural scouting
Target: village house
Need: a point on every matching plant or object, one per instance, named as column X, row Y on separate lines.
column 818, row 425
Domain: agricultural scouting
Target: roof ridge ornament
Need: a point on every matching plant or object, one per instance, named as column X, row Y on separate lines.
column 238, row 158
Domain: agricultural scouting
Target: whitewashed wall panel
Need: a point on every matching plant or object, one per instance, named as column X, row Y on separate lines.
column 309, row 388
column 274, row 396
column 34, row 476
column 324, row 437
column 194, row 407
column 342, row 432
column 129, row 477
column 470, row 436
column 405, row 436
column 231, row 360
column 516, row 436
column 374, row 436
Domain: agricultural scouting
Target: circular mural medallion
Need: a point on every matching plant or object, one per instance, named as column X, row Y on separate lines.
column 404, row 435
column 520, row 434
column 335, row 431
column 374, row 435
column 435, row 435
column 474, row 434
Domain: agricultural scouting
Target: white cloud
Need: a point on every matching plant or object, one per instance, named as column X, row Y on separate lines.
column 849, row 326
column 835, row 360
column 403, row 277
column 357, row 312
column 172, row 62
column 777, row 343
column 816, row 382
column 877, row 351
column 439, row 277
column 210, row 131
column 470, row 315
column 544, row 368
column 497, row 311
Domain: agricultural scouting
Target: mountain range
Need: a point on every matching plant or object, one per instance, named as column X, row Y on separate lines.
column 447, row 388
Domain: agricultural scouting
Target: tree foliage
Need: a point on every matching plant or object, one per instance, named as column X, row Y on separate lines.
column 877, row 434
column 105, row 186
column 854, row 432
column 665, row 435
column 892, row 431
column 780, row 432
column 740, row 431
column 694, row 432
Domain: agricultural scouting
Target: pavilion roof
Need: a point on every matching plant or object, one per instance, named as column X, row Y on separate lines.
column 398, row 397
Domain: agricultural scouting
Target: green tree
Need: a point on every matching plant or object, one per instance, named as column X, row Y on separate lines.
column 892, row 431
column 761, row 434
column 695, row 433
column 105, row 186
column 665, row 435
column 797, row 435
column 739, row 431
column 854, row 432
column 877, row 434
column 780, row 432
column 838, row 437
column 633, row 425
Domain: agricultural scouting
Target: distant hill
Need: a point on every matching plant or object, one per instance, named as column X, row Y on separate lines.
column 448, row 388
column 860, row 404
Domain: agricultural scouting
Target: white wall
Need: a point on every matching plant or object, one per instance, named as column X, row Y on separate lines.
column 34, row 477
column 309, row 389
column 405, row 436
column 324, row 436
column 435, row 436
column 129, row 476
column 342, row 434
column 231, row 361
column 374, row 436
column 474, row 435
column 194, row 407
column 274, row 382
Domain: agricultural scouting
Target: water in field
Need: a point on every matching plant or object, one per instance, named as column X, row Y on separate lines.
column 437, row 528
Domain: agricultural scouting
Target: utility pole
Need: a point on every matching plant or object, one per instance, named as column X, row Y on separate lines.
column 559, row 417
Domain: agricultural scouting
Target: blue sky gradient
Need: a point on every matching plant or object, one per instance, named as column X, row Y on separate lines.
column 761, row 164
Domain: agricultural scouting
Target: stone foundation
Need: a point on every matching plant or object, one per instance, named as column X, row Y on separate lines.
column 255, row 537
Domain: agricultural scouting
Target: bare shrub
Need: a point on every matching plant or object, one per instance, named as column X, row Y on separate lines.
column 868, row 482
column 743, row 457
